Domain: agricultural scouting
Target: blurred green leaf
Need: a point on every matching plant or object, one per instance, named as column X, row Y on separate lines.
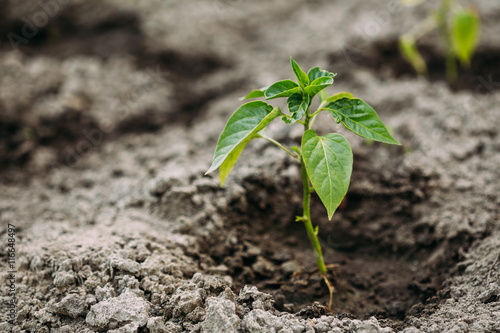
column 409, row 50
column 465, row 34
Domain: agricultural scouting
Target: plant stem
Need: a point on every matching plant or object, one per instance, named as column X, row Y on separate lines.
column 313, row 237
column 279, row 145
column 445, row 33
column 306, row 218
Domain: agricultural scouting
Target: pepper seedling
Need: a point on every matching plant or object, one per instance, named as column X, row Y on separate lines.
column 325, row 160
column 459, row 29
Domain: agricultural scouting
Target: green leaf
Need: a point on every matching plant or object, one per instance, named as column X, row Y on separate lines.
column 465, row 34
column 243, row 126
column 409, row 50
column 231, row 159
column 339, row 95
column 360, row 118
column 284, row 88
column 296, row 149
column 256, row 93
column 300, row 74
column 328, row 161
column 297, row 105
column 318, row 85
column 315, row 73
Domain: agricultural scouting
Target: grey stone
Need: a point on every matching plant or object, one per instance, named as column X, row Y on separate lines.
column 411, row 330
column 127, row 310
column 64, row 279
column 220, row 316
column 263, row 267
column 125, row 265
column 105, row 292
column 187, row 302
column 261, row 321
column 492, row 294
column 72, row 305
column 5, row 327
column 290, row 267
column 158, row 325
column 255, row 299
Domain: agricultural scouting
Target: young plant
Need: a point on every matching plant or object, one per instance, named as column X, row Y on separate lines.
column 325, row 160
column 459, row 30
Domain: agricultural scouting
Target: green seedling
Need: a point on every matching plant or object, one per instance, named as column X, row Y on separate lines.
column 325, row 160
column 459, row 30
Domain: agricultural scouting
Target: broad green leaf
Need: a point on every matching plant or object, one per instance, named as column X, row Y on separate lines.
column 318, row 85
column 243, row 126
column 465, row 35
column 284, row 88
column 300, row 74
column 256, row 93
column 328, row 161
column 339, row 95
column 360, row 118
column 409, row 50
column 231, row 159
column 315, row 73
column 297, row 105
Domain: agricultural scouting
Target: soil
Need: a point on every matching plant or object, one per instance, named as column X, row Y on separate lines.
column 109, row 114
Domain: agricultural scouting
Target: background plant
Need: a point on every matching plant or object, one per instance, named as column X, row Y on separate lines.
column 325, row 161
column 459, row 29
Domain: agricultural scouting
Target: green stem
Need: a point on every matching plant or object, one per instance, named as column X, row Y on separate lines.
column 279, row 145
column 315, row 113
column 306, row 218
column 445, row 33
column 422, row 28
column 313, row 237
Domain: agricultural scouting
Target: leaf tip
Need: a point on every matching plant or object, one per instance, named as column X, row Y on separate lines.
column 394, row 142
